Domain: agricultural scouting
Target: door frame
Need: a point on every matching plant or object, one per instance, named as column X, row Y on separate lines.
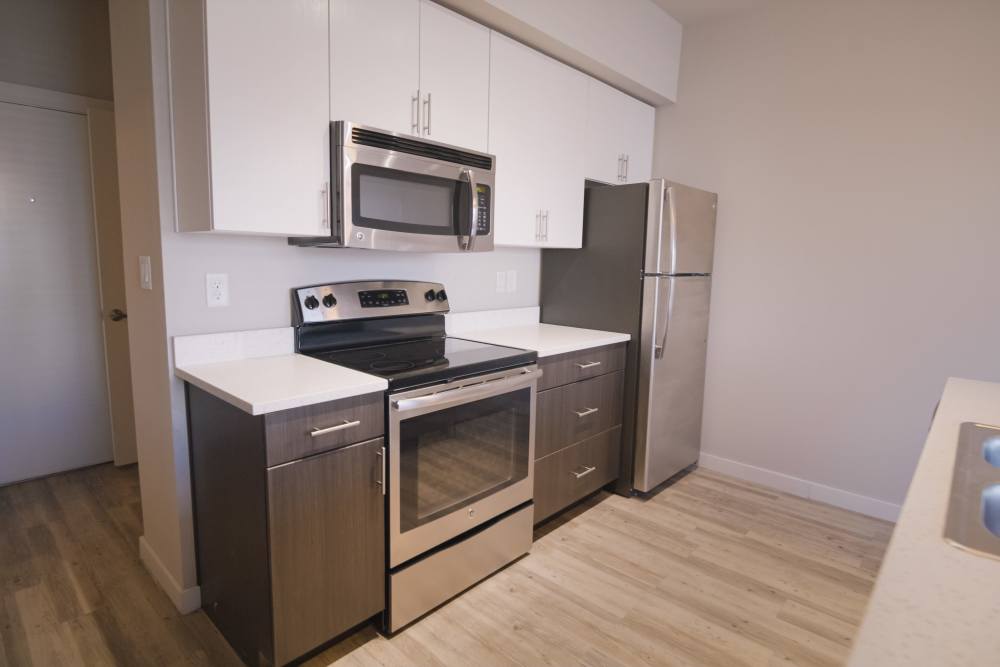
column 30, row 96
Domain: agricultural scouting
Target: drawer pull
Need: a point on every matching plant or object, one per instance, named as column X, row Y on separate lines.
column 589, row 364
column 316, row 432
column 585, row 412
column 586, row 471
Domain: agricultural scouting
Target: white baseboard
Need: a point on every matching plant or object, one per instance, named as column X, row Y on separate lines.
column 803, row 488
column 186, row 600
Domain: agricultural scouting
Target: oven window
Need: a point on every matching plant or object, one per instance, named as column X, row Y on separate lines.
column 402, row 201
column 452, row 458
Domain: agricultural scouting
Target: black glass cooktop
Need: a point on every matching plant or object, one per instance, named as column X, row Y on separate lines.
column 428, row 360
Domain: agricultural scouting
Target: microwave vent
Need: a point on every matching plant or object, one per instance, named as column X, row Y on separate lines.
column 416, row 147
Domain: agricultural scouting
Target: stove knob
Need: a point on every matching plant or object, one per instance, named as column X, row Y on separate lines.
column 311, row 302
column 329, row 301
column 442, row 295
column 429, row 295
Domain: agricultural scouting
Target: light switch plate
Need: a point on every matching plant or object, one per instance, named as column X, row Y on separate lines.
column 217, row 290
column 145, row 272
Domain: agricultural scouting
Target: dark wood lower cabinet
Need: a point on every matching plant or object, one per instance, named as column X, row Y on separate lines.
column 293, row 555
column 578, row 427
column 575, row 472
column 326, row 523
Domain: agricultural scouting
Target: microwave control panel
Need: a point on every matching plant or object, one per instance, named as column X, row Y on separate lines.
column 483, row 223
column 383, row 298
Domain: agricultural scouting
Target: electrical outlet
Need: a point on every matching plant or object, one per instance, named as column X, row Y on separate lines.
column 501, row 281
column 512, row 280
column 217, row 290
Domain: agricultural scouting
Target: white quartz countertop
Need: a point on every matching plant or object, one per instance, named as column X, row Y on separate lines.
column 268, row 384
column 934, row 604
column 545, row 339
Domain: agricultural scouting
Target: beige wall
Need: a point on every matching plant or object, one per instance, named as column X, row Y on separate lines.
column 56, row 44
column 855, row 147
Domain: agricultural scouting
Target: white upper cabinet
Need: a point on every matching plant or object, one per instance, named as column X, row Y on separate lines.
column 454, row 78
column 410, row 66
column 375, row 65
column 250, row 96
column 537, row 125
column 637, row 142
column 620, row 136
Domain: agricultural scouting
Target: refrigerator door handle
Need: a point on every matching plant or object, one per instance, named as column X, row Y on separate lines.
column 667, row 309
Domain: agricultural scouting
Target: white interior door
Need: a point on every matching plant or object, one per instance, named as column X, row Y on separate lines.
column 53, row 394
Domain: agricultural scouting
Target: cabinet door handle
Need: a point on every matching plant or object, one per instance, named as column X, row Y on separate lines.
column 427, row 116
column 545, row 225
column 381, row 480
column 588, row 364
column 538, row 225
column 586, row 412
column 318, row 431
column 625, row 176
column 586, row 471
column 326, row 205
column 621, row 162
column 415, row 113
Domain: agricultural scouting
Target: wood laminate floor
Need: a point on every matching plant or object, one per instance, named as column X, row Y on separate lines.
column 710, row 571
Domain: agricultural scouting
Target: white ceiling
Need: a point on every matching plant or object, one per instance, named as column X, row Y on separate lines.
column 689, row 12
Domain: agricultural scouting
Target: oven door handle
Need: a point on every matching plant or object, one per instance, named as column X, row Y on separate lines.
column 447, row 397
column 468, row 241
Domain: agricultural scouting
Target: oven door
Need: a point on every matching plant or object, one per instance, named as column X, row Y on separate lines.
column 394, row 201
column 459, row 454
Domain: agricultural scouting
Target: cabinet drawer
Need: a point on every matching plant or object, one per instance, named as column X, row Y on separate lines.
column 293, row 434
column 577, row 411
column 570, row 474
column 574, row 366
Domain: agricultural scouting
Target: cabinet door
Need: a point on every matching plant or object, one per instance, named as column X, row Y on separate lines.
column 604, row 132
column 638, row 139
column 375, row 67
column 268, row 95
column 562, row 154
column 516, row 97
column 327, row 535
column 454, row 77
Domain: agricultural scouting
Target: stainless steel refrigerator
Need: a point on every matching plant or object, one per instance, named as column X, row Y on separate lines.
column 645, row 269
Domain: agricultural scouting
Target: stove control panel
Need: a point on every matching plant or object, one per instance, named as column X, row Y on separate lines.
column 366, row 299
column 383, row 298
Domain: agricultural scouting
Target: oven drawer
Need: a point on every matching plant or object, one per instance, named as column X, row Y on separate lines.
column 574, row 366
column 293, row 434
column 574, row 472
column 577, row 411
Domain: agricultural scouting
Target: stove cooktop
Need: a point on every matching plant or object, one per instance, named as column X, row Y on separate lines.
column 412, row 363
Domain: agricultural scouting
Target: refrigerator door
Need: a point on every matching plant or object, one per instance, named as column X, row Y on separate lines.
column 671, row 377
column 685, row 240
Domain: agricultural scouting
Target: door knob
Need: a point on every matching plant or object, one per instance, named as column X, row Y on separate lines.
column 117, row 315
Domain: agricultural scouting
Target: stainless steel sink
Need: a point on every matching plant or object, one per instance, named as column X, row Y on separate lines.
column 974, row 508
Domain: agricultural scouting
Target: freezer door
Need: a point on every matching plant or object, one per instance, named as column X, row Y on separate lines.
column 687, row 231
column 671, row 377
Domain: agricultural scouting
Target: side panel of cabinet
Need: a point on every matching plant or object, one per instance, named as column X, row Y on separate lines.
column 517, row 140
column 269, row 105
column 454, row 77
column 375, row 66
column 638, row 142
column 326, row 523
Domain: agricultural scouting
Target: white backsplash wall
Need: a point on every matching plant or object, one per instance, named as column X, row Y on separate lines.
column 262, row 272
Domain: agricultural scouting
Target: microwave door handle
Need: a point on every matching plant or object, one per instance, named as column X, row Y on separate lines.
column 469, row 176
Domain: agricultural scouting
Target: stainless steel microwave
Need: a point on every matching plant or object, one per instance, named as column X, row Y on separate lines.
column 397, row 192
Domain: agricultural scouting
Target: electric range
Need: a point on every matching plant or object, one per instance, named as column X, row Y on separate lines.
column 460, row 430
